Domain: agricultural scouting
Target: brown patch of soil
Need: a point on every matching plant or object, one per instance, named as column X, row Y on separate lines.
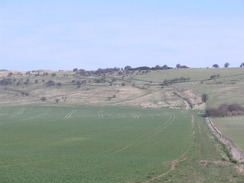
column 240, row 169
column 173, row 164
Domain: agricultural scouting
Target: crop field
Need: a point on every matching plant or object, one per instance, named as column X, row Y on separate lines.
column 89, row 144
column 107, row 144
column 232, row 127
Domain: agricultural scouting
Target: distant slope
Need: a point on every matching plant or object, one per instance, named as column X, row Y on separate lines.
column 228, row 88
column 130, row 88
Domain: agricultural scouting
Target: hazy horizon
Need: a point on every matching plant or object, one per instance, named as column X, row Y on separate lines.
column 71, row 69
column 62, row 35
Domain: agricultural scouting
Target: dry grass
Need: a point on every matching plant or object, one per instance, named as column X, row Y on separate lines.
column 139, row 90
column 136, row 93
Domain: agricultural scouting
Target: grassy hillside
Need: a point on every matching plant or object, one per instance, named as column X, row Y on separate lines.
column 71, row 88
column 195, row 74
column 228, row 88
column 133, row 88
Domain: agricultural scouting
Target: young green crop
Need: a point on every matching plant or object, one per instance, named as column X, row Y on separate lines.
column 105, row 144
column 232, row 127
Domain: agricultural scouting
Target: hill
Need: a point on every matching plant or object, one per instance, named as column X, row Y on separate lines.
column 118, row 125
column 145, row 88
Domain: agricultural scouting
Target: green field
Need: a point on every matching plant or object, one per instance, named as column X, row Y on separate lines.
column 107, row 144
column 232, row 127
column 146, row 133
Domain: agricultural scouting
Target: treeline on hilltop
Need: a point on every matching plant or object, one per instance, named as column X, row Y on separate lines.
column 127, row 68
column 225, row 110
column 142, row 68
column 157, row 67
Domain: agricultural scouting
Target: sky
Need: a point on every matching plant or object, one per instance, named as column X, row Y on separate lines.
column 92, row 34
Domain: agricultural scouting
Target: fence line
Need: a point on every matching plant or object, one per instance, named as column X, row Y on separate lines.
column 236, row 153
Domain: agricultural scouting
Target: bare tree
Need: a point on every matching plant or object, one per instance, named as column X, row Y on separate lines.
column 204, row 97
column 226, row 65
column 224, row 107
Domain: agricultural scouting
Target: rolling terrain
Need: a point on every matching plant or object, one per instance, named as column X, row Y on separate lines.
column 120, row 126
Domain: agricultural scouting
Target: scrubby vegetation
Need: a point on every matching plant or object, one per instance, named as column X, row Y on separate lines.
column 225, row 110
column 215, row 76
column 204, row 97
column 176, row 80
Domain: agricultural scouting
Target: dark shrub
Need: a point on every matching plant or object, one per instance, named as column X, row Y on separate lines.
column 226, row 110
column 59, row 84
column 43, row 99
column 224, row 107
column 214, row 112
column 6, row 81
column 235, row 107
column 204, row 98
column 240, row 112
column 50, row 83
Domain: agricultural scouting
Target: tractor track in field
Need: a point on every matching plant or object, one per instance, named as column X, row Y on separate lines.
column 173, row 164
column 38, row 116
column 161, row 129
column 100, row 114
column 134, row 115
column 193, row 124
column 148, row 136
column 67, row 116
column 112, row 148
column 21, row 111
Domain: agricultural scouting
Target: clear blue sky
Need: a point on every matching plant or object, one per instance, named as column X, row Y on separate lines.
column 89, row 34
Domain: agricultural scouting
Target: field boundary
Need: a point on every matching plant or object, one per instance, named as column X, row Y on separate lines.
column 236, row 153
